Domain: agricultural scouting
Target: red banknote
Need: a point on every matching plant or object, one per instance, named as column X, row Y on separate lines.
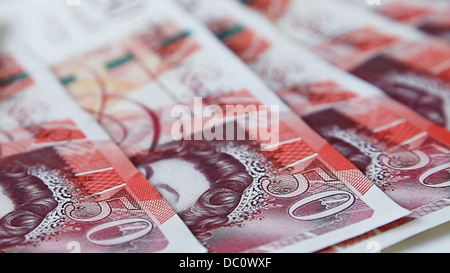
column 66, row 187
column 63, row 194
column 427, row 16
column 406, row 63
column 12, row 77
column 246, row 174
column 402, row 153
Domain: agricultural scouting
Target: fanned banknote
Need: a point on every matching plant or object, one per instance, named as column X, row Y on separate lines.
column 428, row 16
column 64, row 185
column 402, row 153
column 407, row 64
column 240, row 168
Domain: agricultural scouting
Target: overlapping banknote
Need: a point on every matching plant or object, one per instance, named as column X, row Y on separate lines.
column 240, row 168
column 64, row 185
column 402, row 153
column 428, row 16
column 409, row 65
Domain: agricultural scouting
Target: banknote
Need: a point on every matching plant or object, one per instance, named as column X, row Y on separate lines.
column 13, row 78
column 77, row 196
column 407, row 64
column 402, row 153
column 428, row 16
column 65, row 186
column 237, row 165
column 26, row 101
column 236, row 189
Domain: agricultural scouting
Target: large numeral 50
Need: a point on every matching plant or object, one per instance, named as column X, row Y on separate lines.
column 347, row 199
column 141, row 227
